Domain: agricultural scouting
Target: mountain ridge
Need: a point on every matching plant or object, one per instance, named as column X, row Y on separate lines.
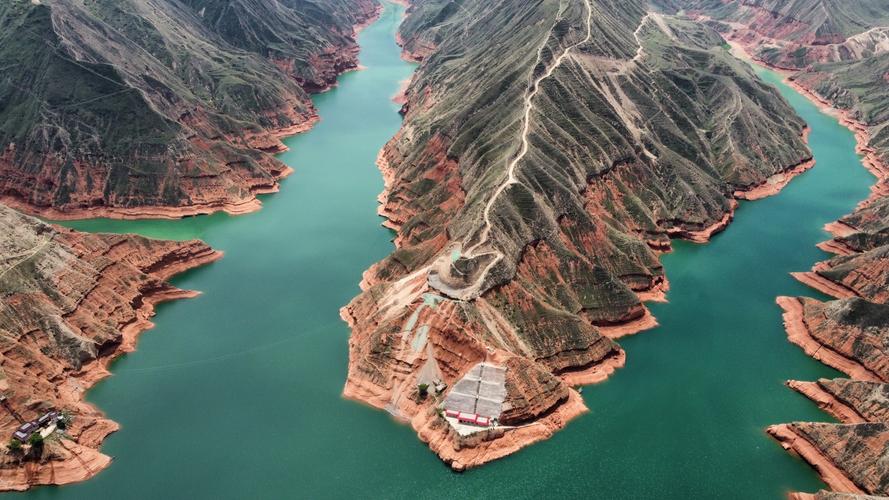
column 533, row 190
column 160, row 115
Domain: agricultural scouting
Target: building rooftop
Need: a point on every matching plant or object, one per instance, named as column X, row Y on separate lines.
column 481, row 391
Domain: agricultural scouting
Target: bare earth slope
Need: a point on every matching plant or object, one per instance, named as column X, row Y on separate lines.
column 69, row 303
column 550, row 150
column 160, row 108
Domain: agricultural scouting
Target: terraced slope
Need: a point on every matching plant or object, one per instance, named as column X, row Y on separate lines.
column 162, row 107
column 70, row 303
column 550, row 150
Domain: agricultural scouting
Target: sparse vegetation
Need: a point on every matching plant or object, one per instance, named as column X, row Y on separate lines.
column 64, row 421
column 14, row 446
column 207, row 75
column 36, row 440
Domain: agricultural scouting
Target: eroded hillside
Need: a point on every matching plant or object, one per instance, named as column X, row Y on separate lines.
column 162, row 107
column 550, row 150
column 838, row 50
column 837, row 53
column 69, row 303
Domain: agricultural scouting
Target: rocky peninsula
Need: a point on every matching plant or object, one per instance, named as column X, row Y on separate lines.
column 532, row 192
column 72, row 302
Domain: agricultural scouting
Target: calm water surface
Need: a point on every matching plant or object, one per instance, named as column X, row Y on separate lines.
column 236, row 394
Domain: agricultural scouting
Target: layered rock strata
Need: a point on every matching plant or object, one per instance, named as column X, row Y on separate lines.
column 850, row 334
column 549, row 153
column 162, row 108
column 69, row 303
column 836, row 54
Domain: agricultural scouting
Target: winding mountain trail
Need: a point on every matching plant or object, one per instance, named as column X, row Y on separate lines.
column 688, row 397
column 639, row 51
column 661, row 25
column 443, row 264
column 523, row 150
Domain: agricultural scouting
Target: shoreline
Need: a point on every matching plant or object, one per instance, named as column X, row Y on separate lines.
column 358, row 28
column 705, row 235
column 771, row 186
column 400, row 96
column 596, row 373
column 817, row 282
column 504, row 443
column 647, row 322
column 774, row 184
column 826, row 402
column 85, row 459
column 793, row 308
column 871, row 161
column 254, row 140
column 829, row 473
column 798, row 334
column 275, row 146
column 231, row 207
column 483, row 447
column 234, row 208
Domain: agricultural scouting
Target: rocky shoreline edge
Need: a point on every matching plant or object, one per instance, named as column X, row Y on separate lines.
column 808, row 440
column 77, row 457
column 460, row 452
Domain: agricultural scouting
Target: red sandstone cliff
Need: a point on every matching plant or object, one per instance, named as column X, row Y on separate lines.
column 71, row 303
column 167, row 110
column 850, row 333
column 532, row 199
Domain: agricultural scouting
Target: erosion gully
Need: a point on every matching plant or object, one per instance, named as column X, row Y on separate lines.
column 236, row 394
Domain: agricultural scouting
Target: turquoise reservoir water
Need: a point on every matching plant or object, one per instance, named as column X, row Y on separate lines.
column 236, row 394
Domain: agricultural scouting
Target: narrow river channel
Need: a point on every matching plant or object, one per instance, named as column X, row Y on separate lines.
column 236, row 394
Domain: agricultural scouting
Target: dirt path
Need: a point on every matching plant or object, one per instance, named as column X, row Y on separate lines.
column 28, row 255
column 523, row 150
